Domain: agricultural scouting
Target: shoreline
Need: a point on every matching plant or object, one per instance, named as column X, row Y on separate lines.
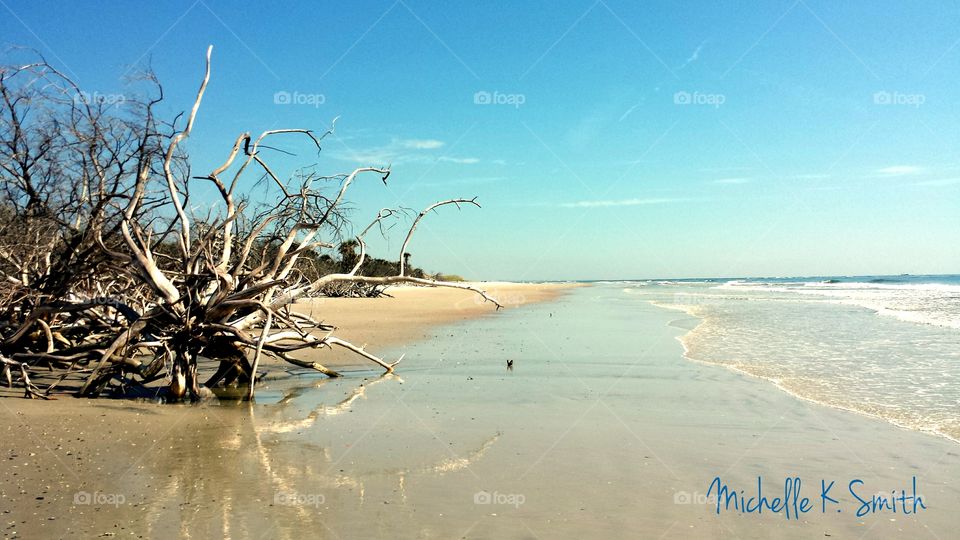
column 415, row 451
column 408, row 316
column 776, row 383
column 670, row 426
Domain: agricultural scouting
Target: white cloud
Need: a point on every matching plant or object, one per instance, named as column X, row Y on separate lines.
column 629, row 111
column 693, row 56
column 620, row 202
column 900, row 170
column 940, row 182
column 371, row 156
column 396, row 152
column 421, row 144
column 462, row 161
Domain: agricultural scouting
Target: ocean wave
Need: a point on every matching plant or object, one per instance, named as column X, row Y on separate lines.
column 834, row 357
column 936, row 304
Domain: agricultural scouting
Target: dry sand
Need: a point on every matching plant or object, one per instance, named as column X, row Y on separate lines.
column 409, row 314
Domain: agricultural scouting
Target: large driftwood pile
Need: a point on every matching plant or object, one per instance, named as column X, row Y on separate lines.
column 111, row 281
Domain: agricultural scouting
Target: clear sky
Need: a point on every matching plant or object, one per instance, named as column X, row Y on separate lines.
column 605, row 139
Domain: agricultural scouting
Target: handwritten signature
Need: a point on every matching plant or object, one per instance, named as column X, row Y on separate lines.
column 792, row 503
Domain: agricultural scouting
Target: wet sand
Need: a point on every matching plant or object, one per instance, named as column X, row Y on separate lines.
column 601, row 430
column 66, row 459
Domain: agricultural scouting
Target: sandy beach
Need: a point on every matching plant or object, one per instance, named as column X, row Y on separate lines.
column 55, row 449
column 720, row 245
column 601, row 430
column 634, row 270
column 409, row 313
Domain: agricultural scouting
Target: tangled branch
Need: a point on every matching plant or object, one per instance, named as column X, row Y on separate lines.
column 112, row 281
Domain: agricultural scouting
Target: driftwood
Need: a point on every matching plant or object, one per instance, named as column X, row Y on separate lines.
column 156, row 288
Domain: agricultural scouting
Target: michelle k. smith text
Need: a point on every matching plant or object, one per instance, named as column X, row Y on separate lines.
column 792, row 502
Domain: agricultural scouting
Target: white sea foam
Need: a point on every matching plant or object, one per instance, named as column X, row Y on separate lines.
column 826, row 348
column 921, row 303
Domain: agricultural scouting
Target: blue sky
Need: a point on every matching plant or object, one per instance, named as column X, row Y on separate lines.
column 605, row 139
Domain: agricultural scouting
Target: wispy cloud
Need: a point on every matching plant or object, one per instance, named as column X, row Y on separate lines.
column 619, row 202
column 900, row 170
column 629, row 111
column 399, row 151
column 421, row 144
column 463, row 161
column 693, row 56
column 739, row 180
column 940, row 182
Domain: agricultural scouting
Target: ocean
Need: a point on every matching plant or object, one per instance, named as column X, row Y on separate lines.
column 884, row 346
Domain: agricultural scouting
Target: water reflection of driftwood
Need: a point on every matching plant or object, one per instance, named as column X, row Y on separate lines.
column 449, row 465
column 260, row 478
column 323, row 410
column 452, row 464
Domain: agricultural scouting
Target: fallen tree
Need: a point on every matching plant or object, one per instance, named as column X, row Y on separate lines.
column 110, row 279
